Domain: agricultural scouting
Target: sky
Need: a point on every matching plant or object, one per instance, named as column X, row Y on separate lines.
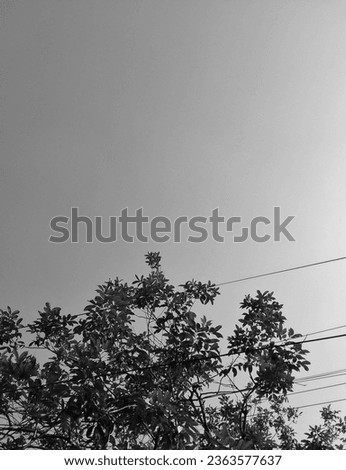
column 177, row 107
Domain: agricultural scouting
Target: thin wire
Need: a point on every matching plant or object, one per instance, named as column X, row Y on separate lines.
column 207, row 395
column 321, row 403
column 281, row 271
column 318, row 388
column 233, row 353
column 323, row 375
column 218, row 356
column 322, row 378
column 316, row 339
column 323, row 331
column 303, row 266
column 289, row 343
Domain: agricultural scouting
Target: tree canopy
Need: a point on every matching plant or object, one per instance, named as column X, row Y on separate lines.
column 139, row 370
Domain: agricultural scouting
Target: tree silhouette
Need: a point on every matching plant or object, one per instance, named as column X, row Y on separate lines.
column 134, row 371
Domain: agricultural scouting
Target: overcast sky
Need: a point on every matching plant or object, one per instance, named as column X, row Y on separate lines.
column 178, row 107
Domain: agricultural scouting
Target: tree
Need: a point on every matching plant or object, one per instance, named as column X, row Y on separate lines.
column 105, row 385
column 331, row 434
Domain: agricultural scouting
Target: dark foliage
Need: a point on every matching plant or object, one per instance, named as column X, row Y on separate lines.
column 135, row 369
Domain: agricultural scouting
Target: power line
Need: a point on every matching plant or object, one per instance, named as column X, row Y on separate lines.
column 207, row 395
column 317, row 388
column 323, row 375
column 331, row 376
column 233, row 353
column 325, row 330
column 321, row 403
column 316, row 339
column 272, row 273
column 219, row 356
column 282, row 271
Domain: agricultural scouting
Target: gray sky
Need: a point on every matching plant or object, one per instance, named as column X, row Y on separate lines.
column 178, row 107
